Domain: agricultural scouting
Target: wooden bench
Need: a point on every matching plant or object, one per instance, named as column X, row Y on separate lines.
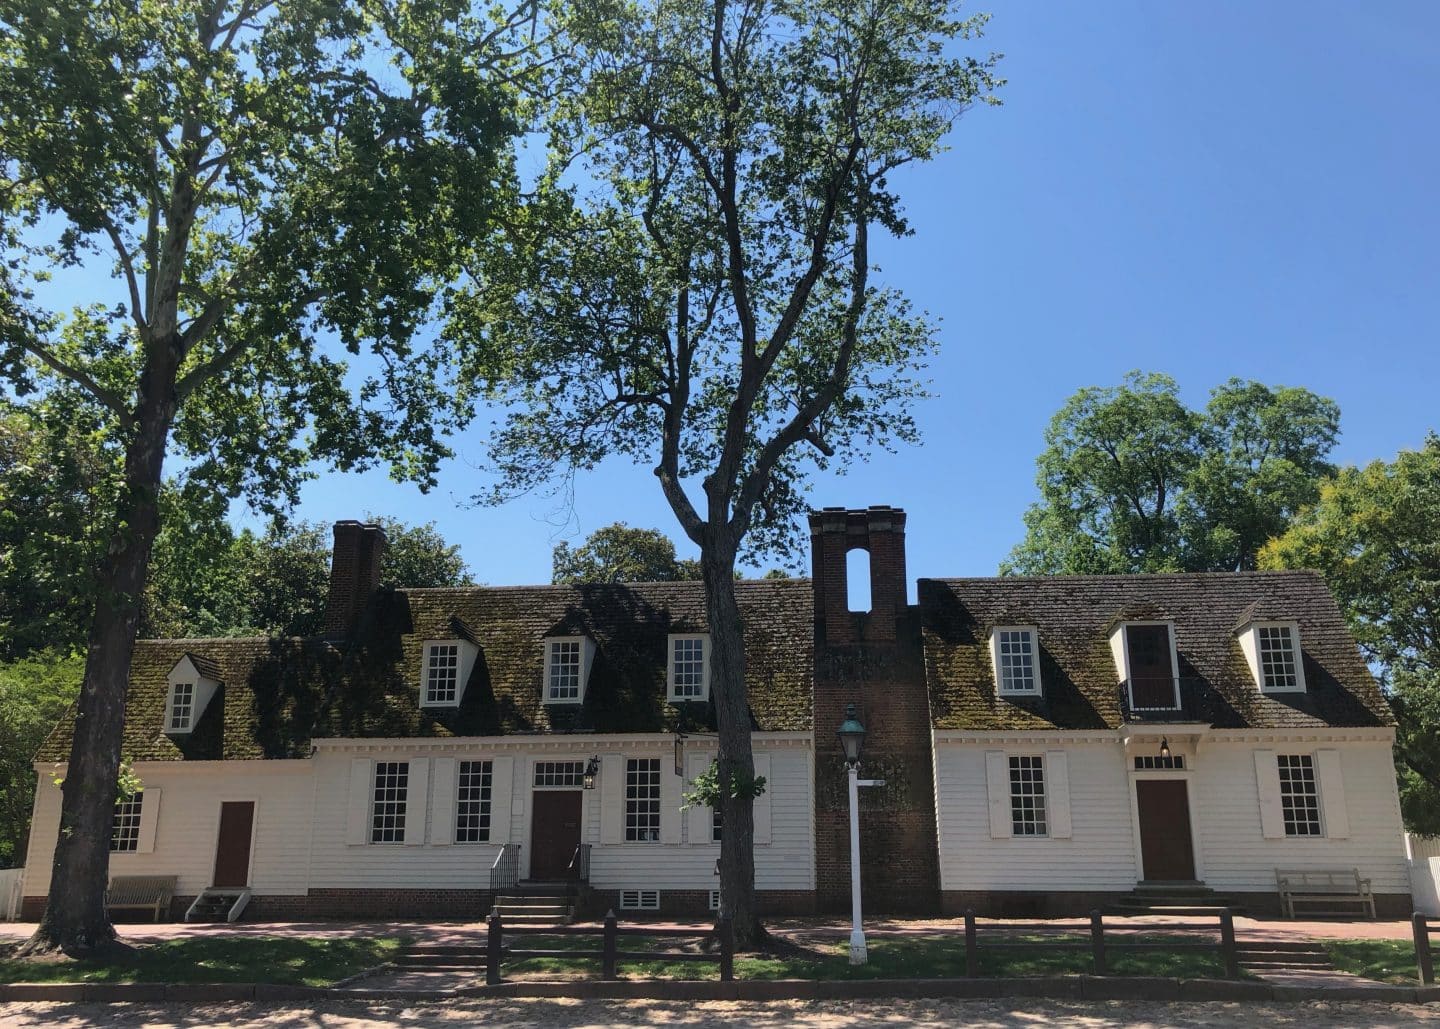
column 1334, row 887
column 141, row 893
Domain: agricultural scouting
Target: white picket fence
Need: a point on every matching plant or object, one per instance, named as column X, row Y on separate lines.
column 11, row 880
column 1424, row 855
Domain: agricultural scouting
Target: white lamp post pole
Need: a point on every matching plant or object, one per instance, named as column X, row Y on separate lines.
column 857, row 934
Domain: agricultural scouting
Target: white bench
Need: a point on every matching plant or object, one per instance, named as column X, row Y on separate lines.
column 1332, row 888
column 141, row 893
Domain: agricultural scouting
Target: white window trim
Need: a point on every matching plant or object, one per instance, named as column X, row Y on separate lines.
column 1250, row 646
column 1120, row 649
column 205, row 688
column 670, row 694
column 587, row 658
column 995, row 666
column 466, row 652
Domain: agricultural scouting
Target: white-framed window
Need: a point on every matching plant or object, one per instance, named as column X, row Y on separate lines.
column 689, row 670
column 182, row 706
column 1027, row 795
column 642, row 800
column 442, row 674
column 714, row 900
column 1015, row 652
column 716, row 825
column 387, row 804
column 1299, row 795
column 560, row 774
column 472, row 801
column 1157, row 762
column 563, row 676
column 1279, row 658
column 640, row 900
column 125, row 826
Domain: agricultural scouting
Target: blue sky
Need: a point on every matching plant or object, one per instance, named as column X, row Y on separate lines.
column 1208, row 190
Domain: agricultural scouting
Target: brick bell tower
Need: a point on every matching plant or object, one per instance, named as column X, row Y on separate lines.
column 872, row 659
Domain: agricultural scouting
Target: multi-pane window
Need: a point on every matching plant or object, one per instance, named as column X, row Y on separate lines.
column 715, row 825
column 1150, row 762
column 642, row 800
column 442, row 673
column 1277, row 658
column 564, row 670
column 125, row 827
column 182, row 706
column 560, row 773
column 387, row 809
column 472, row 802
column 1027, row 795
column 1299, row 797
column 687, row 667
column 1015, row 655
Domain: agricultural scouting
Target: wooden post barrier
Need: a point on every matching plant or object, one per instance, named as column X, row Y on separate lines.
column 1228, row 951
column 1424, row 959
column 972, row 950
column 1097, row 943
column 609, row 946
column 726, row 929
column 493, row 943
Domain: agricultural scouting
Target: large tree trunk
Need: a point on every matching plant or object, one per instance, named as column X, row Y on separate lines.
column 736, row 760
column 75, row 919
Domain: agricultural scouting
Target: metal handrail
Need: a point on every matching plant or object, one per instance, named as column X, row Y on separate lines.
column 1179, row 702
column 505, row 872
column 580, row 863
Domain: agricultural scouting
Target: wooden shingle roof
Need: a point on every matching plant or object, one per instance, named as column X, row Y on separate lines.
column 1074, row 615
column 278, row 694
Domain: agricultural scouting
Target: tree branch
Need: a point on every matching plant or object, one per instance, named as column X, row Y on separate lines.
column 108, row 398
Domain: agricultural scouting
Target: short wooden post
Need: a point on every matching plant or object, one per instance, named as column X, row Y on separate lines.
column 1228, row 952
column 1097, row 943
column 1424, row 960
column 608, row 958
column 726, row 928
column 972, row 949
column 493, row 942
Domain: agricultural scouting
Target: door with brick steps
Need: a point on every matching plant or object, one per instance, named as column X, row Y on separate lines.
column 554, row 833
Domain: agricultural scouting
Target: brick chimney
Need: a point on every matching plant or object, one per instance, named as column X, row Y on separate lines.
column 354, row 575
column 880, row 531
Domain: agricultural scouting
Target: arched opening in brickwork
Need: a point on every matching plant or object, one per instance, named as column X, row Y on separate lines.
column 857, row 579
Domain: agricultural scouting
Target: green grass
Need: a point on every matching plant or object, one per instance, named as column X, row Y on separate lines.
column 1389, row 961
column 889, row 958
column 307, row 961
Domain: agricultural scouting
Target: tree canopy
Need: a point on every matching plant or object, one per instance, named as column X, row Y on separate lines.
column 618, row 553
column 1131, row 480
column 1375, row 533
column 700, row 296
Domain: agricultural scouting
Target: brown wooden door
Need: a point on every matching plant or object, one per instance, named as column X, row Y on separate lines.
column 554, row 833
column 1152, row 676
column 232, row 849
column 1166, row 850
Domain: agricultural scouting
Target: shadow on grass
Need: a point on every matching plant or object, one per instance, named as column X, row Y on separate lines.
column 1387, row 961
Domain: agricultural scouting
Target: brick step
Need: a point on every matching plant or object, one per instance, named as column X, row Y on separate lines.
column 531, row 889
column 533, row 902
column 1177, row 910
column 558, row 918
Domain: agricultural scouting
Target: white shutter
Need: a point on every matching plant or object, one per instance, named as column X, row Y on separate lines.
column 149, row 817
column 698, row 819
column 762, row 803
column 416, row 796
column 1267, row 783
column 997, row 782
column 1057, row 793
column 671, row 786
column 1332, row 793
column 357, row 811
column 612, row 799
column 442, row 805
column 502, row 793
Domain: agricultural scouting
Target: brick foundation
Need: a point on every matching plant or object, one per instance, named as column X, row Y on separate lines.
column 696, row 904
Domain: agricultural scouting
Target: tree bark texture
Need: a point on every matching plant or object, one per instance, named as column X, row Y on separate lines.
column 75, row 919
column 736, row 757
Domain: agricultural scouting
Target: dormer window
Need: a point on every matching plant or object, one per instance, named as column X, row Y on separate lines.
column 567, row 668
column 182, row 706
column 1147, row 663
column 444, row 670
column 1272, row 650
column 689, row 676
column 193, row 682
column 1015, row 660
